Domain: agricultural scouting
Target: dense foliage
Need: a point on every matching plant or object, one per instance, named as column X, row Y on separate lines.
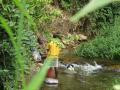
column 105, row 45
column 103, row 23
column 28, row 40
column 89, row 25
column 15, row 50
column 43, row 13
column 24, row 34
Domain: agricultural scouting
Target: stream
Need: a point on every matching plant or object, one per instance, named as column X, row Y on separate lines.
column 102, row 79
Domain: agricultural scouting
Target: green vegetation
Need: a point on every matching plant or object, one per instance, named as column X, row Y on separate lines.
column 91, row 6
column 38, row 79
column 18, row 34
column 103, row 16
column 104, row 45
column 23, row 22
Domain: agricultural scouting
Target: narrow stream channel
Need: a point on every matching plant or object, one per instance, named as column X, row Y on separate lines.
column 99, row 81
column 102, row 80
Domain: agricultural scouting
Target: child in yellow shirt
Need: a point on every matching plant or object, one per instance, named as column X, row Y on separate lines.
column 54, row 47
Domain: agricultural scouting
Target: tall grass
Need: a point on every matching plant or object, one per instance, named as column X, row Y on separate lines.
column 18, row 56
column 39, row 77
column 17, row 44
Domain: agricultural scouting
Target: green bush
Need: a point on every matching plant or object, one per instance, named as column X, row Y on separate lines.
column 105, row 45
column 23, row 36
column 18, row 37
column 42, row 12
column 87, row 24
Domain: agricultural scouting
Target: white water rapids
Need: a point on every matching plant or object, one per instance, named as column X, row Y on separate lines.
column 80, row 69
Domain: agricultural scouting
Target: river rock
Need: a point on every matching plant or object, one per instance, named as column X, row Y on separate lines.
column 82, row 37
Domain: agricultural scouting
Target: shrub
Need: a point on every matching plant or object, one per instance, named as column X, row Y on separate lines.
column 105, row 45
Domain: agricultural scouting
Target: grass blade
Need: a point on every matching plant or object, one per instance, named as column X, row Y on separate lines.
column 38, row 79
column 90, row 7
column 18, row 61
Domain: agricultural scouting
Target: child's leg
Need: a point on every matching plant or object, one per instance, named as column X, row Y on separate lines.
column 51, row 73
column 56, row 72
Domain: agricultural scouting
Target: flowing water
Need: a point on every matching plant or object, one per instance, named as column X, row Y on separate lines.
column 103, row 79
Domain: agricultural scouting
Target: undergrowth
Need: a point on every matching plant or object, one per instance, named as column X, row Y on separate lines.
column 106, row 45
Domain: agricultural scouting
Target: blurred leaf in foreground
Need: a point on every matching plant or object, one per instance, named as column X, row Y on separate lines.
column 90, row 7
column 38, row 79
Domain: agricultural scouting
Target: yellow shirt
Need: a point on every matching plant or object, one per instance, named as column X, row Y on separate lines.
column 54, row 49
